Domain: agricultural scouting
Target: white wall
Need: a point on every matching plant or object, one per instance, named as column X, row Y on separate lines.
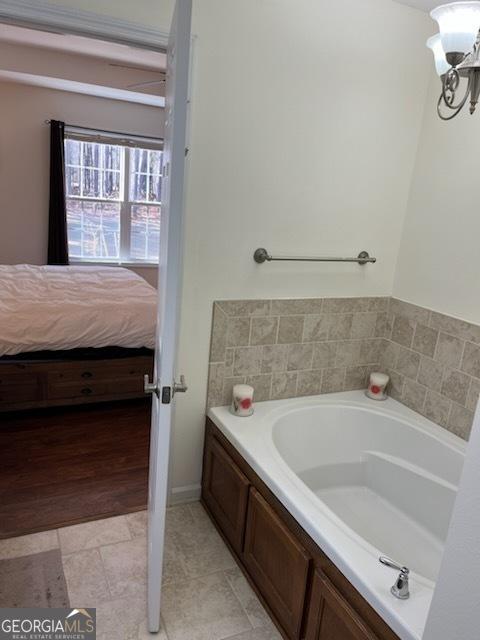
column 454, row 613
column 25, row 157
column 438, row 260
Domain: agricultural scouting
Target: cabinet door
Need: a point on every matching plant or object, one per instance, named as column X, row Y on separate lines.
column 277, row 563
column 331, row 617
column 225, row 492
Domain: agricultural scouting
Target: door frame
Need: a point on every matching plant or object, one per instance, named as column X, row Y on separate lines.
column 39, row 14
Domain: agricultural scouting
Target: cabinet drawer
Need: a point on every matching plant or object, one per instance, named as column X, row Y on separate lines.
column 18, row 380
column 76, row 390
column 88, row 389
column 97, row 372
column 225, row 491
column 25, row 389
column 277, row 562
column 331, row 617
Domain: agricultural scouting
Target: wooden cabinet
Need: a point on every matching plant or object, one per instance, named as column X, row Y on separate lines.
column 18, row 388
column 47, row 383
column 225, row 491
column 277, row 562
column 305, row 593
column 331, row 617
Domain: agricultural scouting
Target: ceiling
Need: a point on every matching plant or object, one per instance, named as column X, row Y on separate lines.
column 84, row 46
column 81, row 65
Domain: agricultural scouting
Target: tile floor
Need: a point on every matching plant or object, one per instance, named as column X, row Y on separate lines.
column 205, row 595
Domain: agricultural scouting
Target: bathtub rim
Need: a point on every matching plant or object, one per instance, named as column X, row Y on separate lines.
column 406, row 618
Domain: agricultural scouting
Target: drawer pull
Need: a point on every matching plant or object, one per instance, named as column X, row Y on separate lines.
column 87, row 374
column 86, row 391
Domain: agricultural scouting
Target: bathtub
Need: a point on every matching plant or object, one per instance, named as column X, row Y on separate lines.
column 364, row 479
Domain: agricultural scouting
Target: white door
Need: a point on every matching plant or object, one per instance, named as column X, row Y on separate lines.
column 164, row 385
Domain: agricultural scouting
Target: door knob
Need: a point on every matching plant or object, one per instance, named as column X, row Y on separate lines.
column 180, row 387
column 150, row 387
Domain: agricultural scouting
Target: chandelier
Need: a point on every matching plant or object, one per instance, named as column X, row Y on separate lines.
column 456, row 50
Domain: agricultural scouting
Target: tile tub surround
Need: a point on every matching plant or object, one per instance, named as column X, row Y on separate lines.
column 302, row 347
column 290, row 348
column 434, row 363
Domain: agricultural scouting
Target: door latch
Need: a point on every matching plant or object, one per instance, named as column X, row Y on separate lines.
column 167, row 392
column 166, row 395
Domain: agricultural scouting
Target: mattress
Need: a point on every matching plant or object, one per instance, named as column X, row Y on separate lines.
column 50, row 308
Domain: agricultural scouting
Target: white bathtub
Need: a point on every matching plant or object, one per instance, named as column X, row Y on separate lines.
column 364, row 479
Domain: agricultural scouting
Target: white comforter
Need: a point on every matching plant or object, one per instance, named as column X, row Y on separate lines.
column 60, row 308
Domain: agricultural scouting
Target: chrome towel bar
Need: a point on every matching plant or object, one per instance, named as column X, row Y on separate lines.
column 261, row 255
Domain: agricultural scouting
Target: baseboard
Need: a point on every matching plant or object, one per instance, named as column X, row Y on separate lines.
column 180, row 495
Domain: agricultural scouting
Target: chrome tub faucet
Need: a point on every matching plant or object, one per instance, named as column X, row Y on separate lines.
column 401, row 588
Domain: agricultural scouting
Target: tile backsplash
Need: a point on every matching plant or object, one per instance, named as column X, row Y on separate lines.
column 302, row 347
column 289, row 348
column 434, row 364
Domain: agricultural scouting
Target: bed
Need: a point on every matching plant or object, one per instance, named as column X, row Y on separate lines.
column 73, row 335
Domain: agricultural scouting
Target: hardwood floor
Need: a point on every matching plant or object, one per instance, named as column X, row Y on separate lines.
column 68, row 465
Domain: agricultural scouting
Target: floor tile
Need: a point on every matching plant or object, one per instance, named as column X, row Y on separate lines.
column 28, row 545
column 251, row 604
column 33, row 581
column 199, row 546
column 93, row 534
column 144, row 634
column 198, row 512
column 178, row 518
column 202, row 609
column 86, row 580
column 122, row 619
column 137, row 523
column 173, row 570
column 126, row 567
column 206, row 596
column 270, row 633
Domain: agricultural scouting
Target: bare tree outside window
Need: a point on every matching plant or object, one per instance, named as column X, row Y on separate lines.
column 113, row 201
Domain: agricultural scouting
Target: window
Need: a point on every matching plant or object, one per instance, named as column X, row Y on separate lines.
column 113, row 192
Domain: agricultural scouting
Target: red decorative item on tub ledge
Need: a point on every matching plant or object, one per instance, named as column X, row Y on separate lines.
column 242, row 401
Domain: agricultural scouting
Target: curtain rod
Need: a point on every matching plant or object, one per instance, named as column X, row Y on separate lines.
column 115, row 133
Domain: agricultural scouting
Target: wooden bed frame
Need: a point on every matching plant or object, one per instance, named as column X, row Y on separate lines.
column 51, row 379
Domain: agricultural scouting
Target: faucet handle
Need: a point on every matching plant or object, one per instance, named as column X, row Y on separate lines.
column 394, row 565
column 401, row 588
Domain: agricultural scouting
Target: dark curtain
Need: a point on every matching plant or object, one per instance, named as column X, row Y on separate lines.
column 57, row 221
